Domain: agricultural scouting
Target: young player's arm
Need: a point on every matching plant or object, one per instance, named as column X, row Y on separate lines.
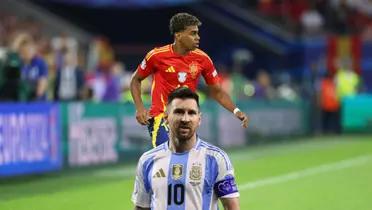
column 143, row 70
column 142, row 114
column 211, row 78
column 230, row 203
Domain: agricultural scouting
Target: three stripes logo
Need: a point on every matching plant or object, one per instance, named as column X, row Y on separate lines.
column 170, row 69
column 159, row 174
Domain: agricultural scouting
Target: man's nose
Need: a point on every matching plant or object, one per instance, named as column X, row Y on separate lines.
column 186, row 118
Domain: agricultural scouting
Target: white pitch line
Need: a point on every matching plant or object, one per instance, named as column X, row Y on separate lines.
column 306, row 172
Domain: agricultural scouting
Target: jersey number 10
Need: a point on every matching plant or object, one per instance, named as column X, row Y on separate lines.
column 176, row 194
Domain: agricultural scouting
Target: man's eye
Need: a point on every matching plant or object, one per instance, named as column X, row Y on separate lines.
column 178, row 111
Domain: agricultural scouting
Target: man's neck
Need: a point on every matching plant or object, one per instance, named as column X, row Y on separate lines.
column 181, row 146
column 178, row 49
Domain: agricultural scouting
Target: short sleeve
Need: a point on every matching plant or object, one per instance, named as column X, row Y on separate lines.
column 225, row 185
column 140, row 196
column 146, row 67
column 209, row 71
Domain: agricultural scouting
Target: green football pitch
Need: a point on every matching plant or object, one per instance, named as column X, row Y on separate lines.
column 323, row 173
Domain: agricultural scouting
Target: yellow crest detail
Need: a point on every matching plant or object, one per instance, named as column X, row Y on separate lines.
column 177, row 171
column 193, row 70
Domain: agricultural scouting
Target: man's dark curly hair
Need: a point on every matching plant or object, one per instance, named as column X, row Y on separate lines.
column 180, row 21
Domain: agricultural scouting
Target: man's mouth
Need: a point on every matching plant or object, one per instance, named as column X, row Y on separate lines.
column 184, row 127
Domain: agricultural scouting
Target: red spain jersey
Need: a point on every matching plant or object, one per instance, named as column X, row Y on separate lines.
column 170, row 70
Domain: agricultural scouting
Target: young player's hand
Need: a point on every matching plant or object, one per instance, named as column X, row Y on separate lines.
column 142, row 116
column 242, row 117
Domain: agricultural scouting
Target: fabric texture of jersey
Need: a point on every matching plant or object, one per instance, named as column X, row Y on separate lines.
column 191, row 180
column 158, row 130
column 171, row 70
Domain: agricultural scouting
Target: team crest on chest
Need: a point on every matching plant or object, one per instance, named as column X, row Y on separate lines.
column 182, row 76
column 177, row 171
column 193, row 67
column 195, row 174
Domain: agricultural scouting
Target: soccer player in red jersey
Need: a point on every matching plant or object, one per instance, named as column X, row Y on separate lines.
column 172, row 66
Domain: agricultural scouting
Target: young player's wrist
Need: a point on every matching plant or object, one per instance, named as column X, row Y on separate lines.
column 236, row 110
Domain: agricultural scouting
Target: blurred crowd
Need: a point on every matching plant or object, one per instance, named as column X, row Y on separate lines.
column 323, row 90
column 39, row 66
column 317, row 16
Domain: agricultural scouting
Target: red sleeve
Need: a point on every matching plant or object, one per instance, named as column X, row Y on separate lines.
column 146, row 67
column 209, row 72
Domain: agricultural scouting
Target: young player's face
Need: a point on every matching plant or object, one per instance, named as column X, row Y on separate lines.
column 189, row 38
column 183, row 118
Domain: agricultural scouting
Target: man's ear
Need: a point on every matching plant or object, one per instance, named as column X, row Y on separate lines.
column 177, row 35
column 200, row 114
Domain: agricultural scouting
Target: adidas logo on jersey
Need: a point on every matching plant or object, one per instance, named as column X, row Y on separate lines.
column 170, row 69
column 159, row 174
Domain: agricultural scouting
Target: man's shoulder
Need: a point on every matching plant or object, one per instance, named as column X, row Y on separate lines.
column 211, row 149
column 157, row 51
column 152, row 152
column 216, row 153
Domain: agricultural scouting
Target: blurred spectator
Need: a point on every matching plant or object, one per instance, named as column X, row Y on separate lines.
column 329, row 104
column 69, row 81
column 262, row 87
column 101, row 54
column 364, row 6
column 312, row 21
column 240, row 58
column 61, row 44
column 347, row 81
column 339, row 17
column 34, row 69
column 10, row 68
column 367, row 33
column 114, row 82
column 96, row 84
column 286, row 90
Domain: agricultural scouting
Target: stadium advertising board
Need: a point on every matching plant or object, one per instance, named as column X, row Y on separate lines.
column 29, row 138
column 92, row 133
column 92, row 141
column 276, row 119
column 230, row 131
column 357, row 113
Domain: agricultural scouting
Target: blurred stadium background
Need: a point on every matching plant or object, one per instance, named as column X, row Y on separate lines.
column 301, row 69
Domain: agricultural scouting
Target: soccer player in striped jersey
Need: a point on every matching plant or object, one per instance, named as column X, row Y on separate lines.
column 185, row 172
column 176, row 65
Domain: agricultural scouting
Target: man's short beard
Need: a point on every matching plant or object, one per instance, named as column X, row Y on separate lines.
column 183, row 137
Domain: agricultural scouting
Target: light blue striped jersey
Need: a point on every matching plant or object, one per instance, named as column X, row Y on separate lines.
column 183, row 181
